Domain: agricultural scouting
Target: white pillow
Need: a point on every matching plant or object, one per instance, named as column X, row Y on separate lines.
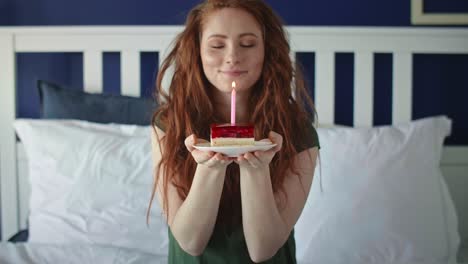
column 384, row 199
column 91, row 183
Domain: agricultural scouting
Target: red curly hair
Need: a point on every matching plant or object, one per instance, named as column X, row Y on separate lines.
column 187, row 107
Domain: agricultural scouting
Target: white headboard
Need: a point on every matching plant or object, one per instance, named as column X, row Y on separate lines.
column 130, row 41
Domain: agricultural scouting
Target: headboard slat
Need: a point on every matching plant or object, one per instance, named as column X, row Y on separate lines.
column 130, row 73
column 92, row 71
column 363, row 89
column 24, row 188
column 8, row 179
column 402, row 87
column 325, row 86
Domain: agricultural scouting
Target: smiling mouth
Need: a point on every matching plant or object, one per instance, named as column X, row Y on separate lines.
column 233, row 73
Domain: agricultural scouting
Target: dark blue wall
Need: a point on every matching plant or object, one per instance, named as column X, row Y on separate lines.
column 150, row 12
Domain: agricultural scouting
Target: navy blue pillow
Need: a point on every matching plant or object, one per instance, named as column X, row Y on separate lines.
column 58, row 102
column 21, row 236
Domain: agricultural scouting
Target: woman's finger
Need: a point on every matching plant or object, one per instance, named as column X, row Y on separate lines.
column 202, row 157
column 218, row 159
column 252, row 160
column 201, row 140
column 276, row 139
column 190, row 141
column 264, row 156
column 240, row 160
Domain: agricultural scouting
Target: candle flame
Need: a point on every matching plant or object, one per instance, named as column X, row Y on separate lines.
column 233, row 85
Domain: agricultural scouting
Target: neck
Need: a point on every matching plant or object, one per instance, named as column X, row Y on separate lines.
column 223, row 103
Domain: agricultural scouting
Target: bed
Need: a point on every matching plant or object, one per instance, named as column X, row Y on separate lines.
column 386, row 194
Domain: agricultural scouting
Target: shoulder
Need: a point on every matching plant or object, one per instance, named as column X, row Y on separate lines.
column 308, row 136
column 157, row 131
column 158, row 122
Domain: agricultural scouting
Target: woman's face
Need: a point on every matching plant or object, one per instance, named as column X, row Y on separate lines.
column 232, row 49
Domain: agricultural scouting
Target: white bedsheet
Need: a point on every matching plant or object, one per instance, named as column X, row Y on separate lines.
column 36, row 253
column 22, row 253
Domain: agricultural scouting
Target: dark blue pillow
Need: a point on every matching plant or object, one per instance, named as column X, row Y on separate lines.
column 21, row 236
column 58, row 102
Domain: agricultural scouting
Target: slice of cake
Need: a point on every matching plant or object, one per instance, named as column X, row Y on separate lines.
column 232, row 135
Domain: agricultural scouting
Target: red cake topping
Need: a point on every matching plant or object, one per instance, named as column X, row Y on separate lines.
column 232, row 131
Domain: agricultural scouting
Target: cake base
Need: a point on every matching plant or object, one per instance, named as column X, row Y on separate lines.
column 232, row 141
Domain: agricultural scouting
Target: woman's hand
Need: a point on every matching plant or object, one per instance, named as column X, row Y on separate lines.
column 261, row 159
column 209, row 159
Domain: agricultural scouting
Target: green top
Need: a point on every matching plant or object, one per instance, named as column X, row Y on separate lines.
column 231, row 247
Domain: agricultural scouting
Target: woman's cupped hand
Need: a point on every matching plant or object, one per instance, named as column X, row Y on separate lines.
column 206, row 158
column 261, row 159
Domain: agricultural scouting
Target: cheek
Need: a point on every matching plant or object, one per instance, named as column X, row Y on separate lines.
column 210, row 59
column 258, row 68
column 258, row 64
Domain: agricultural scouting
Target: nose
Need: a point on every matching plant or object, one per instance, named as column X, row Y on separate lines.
column 233, row 56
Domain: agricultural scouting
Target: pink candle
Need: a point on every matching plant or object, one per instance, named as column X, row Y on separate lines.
column 233, row 104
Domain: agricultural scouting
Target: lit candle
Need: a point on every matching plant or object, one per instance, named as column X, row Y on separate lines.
column 233, row 104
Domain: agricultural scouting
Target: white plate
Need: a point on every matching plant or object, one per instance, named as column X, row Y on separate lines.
column 234, row 151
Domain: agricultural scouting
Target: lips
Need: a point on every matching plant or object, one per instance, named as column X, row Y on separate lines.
column 233, row 73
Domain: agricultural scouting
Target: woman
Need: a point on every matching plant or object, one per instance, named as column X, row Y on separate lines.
column 243, row 209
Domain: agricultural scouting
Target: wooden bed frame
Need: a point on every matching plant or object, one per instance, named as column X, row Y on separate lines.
column 130, row 41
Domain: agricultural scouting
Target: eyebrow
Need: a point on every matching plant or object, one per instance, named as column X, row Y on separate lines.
column 224, row 36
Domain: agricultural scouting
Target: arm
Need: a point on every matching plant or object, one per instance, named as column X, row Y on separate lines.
column 266, row 228
column 192, row 221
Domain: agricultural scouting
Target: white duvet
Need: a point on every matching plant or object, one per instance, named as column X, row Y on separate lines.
column 36, row 253
column 21, row 253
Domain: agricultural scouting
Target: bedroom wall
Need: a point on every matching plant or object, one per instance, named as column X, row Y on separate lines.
column 440, row 81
